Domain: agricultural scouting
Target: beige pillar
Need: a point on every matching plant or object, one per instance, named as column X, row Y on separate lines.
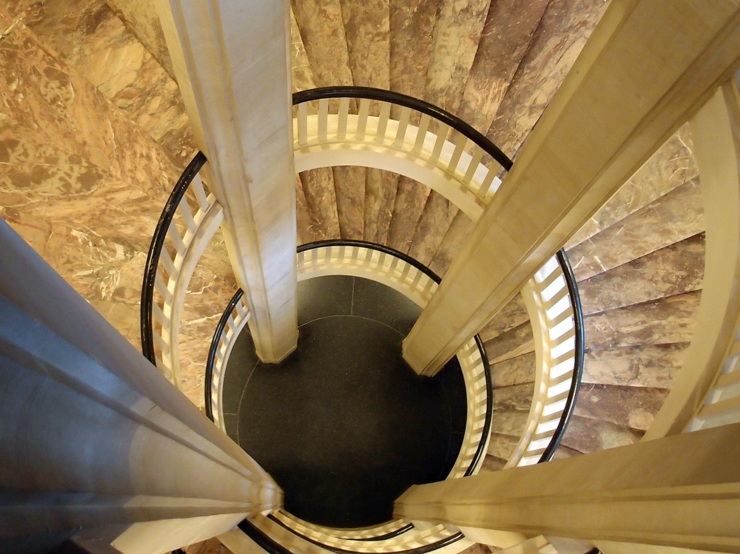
column 681, row 491
column 647, row 67
column 94, row 436
column 232, row 63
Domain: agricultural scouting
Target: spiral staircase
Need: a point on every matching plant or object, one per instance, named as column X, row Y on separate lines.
column 638, row 262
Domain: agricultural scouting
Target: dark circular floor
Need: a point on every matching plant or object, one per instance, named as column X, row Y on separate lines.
column 344, row 425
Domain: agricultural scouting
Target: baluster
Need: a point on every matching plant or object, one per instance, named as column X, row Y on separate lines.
column 169, row 265
column 473, row 166
column 162, row 289
column 303, row 123
column 459, row 141
column 439, row 142
column 385, row 112
column 362, row 118
column 342, row 122
column 403, row 124
column 200, row 193
column 174, row 234
column 323, row 118
column 184, row 208
column 422, row 133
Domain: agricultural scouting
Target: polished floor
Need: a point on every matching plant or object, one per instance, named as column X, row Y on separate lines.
column 344, row 425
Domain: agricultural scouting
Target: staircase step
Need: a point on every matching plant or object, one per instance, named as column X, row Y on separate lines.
column 670, row 166
column 452, row 243
column 591, row 435
column 673, row 217
column 632, row 407
column 512, row 315
column 320, row 194
column 513, row 397
column 433, row 225
column 502, row 446
column 492, row 463
column 515, row 371
column 635, row 366
column 664, row 321
column 499, row 348
column 672, row 270
column 411, row 197
column 349, row 185
column 380, row 195
column 509, row 423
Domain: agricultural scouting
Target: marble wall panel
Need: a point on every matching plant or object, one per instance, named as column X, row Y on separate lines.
column 632, row 407
column 141, row 17
column 90, row 37
column 669, row 271
column 514, row 371
column 635, row 366
column 664, row 321
column 591, row 435
column 514, row 397
column 79, row 181
column 367, row 31
column 509, row 28
column 411, row 198
column 509, row 343
column 433, row 225
column 671, row 218
column 672, row 165
column 564, row 29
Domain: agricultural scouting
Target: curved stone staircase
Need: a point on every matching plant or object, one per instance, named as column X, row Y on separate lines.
column 495, row 64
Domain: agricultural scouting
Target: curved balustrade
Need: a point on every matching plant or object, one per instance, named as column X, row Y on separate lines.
column 180, row 238
column 408, row 136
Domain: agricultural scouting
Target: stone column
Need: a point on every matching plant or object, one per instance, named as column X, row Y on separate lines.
column 648, row 66
column 94, row 437
column 681, row 491
column 232, row 63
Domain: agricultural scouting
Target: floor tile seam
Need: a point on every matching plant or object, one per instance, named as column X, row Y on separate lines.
column 241, row 399
column 355, row 316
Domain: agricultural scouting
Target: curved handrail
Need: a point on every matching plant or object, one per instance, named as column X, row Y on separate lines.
column 399, row 99
column 575, row 384
column 155, row 251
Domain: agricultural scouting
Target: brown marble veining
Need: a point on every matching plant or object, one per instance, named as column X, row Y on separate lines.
column 305, row 225
column 433, row 225
column 302, row 74
column 141, row 17
column 664, row 321
column 457, row 34
column 459, row 230
column 509, row 343
column 635, row 366
column 78, row 180
column 631, row 407
column 509, row 423
column 349, row 183
column 412, row 36
column 592, row 435
column 510, row 316
column 411, row 198
column 672, row 270
column 671, row 218
column 559, row 38
column 509, row 29
column 89, row 36
column 516, row 370
column 318, row 187
column 380, row 195
column 672, row 165
column 492, row 463
column 502, row 446
column 513, row 397
column 367, row 31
